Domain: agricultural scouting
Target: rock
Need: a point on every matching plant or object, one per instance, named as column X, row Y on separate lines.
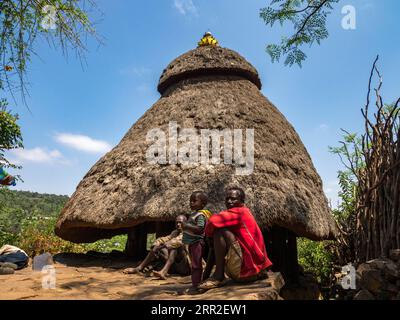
column 8, row 265
column 378, row 263
column 398, row 284
column 363, row 267
column 4, row 271
column 372, row 281
column 364, row 295
column 391, row 271
column 267, row 295
column 306, row 289
column 391, row 288
column 276, row 280
column 42, row 260
column 395, row 255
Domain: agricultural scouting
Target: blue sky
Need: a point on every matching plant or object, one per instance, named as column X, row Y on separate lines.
column 78, row 113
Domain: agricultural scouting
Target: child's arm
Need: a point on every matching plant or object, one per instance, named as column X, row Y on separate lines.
column 192, row 228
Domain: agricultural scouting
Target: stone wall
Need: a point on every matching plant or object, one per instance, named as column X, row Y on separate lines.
column 379, row 279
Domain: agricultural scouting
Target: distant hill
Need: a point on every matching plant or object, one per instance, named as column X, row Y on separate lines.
column 31, row 203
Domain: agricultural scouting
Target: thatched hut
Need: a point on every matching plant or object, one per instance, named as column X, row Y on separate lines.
column 209, row 87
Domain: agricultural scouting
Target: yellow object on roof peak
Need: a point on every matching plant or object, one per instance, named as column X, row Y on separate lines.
column 208, row 40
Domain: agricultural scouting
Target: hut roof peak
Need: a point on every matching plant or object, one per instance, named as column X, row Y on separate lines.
column 208, row 59
column 208, row 40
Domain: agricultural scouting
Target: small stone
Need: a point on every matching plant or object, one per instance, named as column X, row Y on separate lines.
column 8, row 265
column 364, row 295
column 4, row 271
column 276, row 280
column 395, row 254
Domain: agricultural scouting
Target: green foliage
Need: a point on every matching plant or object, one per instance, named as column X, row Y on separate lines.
column 27, row 220
column 316, row 258
column 350, row 154
column 61, row 23
column 308, row 18
column 10, row 132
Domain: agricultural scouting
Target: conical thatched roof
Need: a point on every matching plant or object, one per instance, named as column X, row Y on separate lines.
column 207, row 88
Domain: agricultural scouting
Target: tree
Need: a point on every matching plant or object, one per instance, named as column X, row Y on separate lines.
column 308, row 18
column 10, row 133
column 370, row 211
column 62, row 23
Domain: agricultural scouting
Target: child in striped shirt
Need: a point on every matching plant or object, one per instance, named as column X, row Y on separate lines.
column 193, row 235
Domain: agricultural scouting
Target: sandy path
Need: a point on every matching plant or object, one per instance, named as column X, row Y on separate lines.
column 79, row 277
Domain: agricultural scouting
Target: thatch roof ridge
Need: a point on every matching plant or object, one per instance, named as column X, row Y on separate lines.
column 207, row 61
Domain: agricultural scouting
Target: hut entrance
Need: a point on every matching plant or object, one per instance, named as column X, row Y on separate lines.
column 136, row 244
column 281, row 247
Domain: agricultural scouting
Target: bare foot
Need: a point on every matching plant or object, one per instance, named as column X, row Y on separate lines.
column 131, row 270
column 160, row 275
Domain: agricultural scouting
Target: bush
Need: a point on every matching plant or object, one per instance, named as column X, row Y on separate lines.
column 316, row 258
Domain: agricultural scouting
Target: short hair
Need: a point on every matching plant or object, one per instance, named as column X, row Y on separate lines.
column 181, row 217
column 238, row 189
column 202, row 195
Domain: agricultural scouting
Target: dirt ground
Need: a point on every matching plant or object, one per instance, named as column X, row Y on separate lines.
column 81, row 277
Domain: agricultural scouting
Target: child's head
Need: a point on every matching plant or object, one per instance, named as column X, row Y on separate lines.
column 198, row 200
column 234, row 197
column 179, row 221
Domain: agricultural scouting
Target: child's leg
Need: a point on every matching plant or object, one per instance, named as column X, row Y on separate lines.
column 149, row 258
column 164, row 271
column 196, row 254
column 210, row 264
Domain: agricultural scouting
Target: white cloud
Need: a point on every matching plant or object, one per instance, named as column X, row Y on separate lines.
column 143, row 88
column 323, row 127
column 185, row 6
column 37, row 155
column 135, row 71
column 83, row 143
column 331, row 190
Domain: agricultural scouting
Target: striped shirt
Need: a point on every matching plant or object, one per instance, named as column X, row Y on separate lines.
column 196, row 219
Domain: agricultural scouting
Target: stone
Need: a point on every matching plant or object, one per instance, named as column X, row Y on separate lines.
column 5, row 271
column 378, row 263
column 276, row 280
column 391, row 271
column 41, row 261
column 8, row 265
column 372, row 281
column 391, row 288
column 364, row 295
column 395, row 255
column 267, row 295
column 363, row 267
